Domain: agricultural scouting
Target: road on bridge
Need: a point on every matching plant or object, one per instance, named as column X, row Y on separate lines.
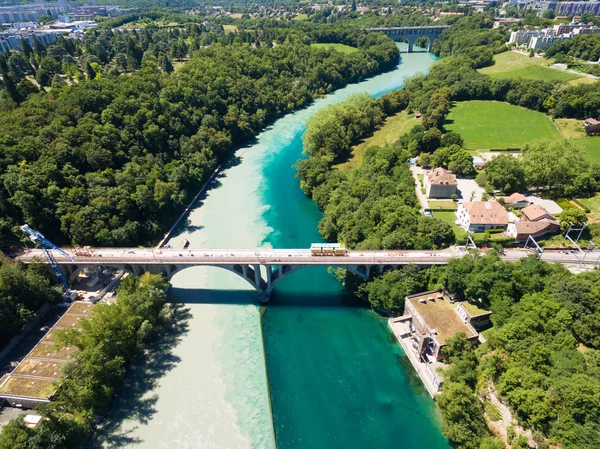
column 147, row 256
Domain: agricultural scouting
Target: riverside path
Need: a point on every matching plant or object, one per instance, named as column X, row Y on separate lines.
column 264, row 268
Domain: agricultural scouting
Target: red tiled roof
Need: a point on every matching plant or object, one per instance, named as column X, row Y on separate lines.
column 534, row 212
column 486, row 213
column 441, row 176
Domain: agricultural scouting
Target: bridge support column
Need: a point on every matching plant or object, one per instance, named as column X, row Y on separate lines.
column 257, row 275
column 264, row 296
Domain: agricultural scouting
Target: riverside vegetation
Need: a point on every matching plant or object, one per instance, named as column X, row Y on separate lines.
column 361, row 207
column 108, row 160
column 23, row 290
column 542, row 356
column 106, row 342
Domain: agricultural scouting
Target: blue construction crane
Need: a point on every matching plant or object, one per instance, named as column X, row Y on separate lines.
column 46, row 246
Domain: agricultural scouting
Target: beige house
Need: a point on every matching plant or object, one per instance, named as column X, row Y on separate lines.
column 535, row 213
column 516, row 200
column 480, row 216
column 440, row 183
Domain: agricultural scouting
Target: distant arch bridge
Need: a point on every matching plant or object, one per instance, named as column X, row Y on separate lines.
column 411, row 34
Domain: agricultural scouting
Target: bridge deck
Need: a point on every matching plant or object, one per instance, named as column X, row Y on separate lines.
column 141, row 256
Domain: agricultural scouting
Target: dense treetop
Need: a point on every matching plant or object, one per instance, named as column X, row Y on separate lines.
column 23, row 290
column 109, row 161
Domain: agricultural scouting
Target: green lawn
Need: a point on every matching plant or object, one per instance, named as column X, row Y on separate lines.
column 565, row 204
column 497, row 125
column 591, row 146
column 301, row 17
column 339, row 47
column 593, row 204
column 536, row 72
column 442, row 204
column 450, row 218
column 515, row 65
column 394, row 127
column 230, row 28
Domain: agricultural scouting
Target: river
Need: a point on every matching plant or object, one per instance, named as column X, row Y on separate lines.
column 335, row 378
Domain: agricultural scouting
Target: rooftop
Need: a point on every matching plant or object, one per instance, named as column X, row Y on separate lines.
column 36, row 375
column 535, row 227
column 441, row 176
column 488, row 212
column 439, row 315
column 515, row 198
column 534, row 212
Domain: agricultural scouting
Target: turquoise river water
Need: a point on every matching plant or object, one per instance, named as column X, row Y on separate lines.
column 318, row 371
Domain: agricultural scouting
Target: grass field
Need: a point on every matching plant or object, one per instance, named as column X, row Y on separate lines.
column 338, row 47
column 450, row 218
column 566, row 204
column 570, row 128
column 515, row 65
column 497, row 125
column 301, row 17
column 582, row 80
column 229, row 28
column 593, row 204
column 391, row 131
column 591, row 146
column 442, row 204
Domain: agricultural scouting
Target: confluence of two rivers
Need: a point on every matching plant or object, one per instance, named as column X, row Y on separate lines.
column 319, row 371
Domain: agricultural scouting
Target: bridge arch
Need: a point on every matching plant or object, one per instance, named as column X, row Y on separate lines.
column 411, row 34
column 253, row 274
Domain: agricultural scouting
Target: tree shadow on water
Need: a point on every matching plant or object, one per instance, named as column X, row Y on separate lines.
column 135, row 401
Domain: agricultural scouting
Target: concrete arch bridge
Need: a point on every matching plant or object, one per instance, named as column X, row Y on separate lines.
column 264, row 268
column 411, row 34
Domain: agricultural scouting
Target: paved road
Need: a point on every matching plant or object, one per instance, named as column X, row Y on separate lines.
column 149, row 256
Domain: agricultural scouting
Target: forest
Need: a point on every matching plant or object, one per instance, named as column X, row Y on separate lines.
column 542, row 355
column 106, row 343
column 109, row 160
column 23, row 290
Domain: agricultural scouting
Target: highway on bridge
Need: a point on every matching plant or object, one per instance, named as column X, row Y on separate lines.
column 145, row 256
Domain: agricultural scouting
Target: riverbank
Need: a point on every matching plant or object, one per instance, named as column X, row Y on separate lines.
column 324, row 360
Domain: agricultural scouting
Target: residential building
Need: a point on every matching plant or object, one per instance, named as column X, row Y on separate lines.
column 480, row 216
column 516, row 200
column 534, row 212
column 440, row 183
column 578, row 8
column 542, row 39
column 522, row 230
column 591, row 126
column 535, row 221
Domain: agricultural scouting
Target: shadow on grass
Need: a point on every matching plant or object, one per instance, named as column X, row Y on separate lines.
column 135, row 401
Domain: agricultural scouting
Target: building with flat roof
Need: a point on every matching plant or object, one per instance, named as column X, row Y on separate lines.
column 434, row 320
column 429, row 320
column 37, row 377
